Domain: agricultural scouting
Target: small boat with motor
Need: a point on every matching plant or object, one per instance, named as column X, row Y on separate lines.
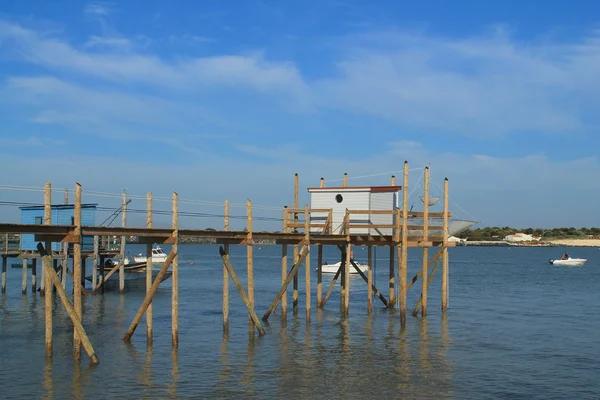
column 158, row 256
column 567, row 261
column 333, row 268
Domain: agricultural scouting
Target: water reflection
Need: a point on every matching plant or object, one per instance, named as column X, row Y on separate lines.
column 172, row 387
column 47, row 383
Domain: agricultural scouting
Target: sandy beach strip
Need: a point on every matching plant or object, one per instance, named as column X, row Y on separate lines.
column 575, row 242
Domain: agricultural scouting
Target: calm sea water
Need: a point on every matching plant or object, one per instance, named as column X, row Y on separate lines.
column 516, row 327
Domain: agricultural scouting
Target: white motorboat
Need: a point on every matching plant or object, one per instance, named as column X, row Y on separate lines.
column 333, row 268
column 158, row 256
column 569, row 262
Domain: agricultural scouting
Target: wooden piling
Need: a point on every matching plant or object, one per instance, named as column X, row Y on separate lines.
column 245, row 298
column 24, row 276
column 148, row 299
column 404, row 249
column 34, row 276
column 319, row 274
column 345, row 179
column 424, row 279
column 87, row 345
column 295, row 285
column 307, row 260
column 445, row 272
column 347, row 274
column 77, row 270
column 226, row 274
column 370, row 279
column 4, row 263
column 123, row 243
column 95, row 260
column 284, row 263
column 392, row 288
column 250, row 256
column 175, row 275
column 149, row 262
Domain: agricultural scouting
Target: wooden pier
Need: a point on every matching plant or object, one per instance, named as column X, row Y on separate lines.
column 303, row 228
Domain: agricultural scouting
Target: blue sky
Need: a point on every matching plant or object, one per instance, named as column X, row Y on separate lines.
column 227, row 100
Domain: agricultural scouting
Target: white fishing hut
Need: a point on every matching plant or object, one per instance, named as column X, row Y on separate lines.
column 368, row 198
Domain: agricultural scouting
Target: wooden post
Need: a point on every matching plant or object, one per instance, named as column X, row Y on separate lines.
column 293, row 271
column 347, row 274
column 4, row 262
column 236, row 281
column 25, row 263
column 284, row 262
column 87, row 345
column 34, row 276
column 149, row 262
column 370, row 279
column 250, row 252
column 345, row 179
column 66, row 196
column 95, row 260
column 175, row 276
column 445, row 272
column 393, row 180
column 319, row 274
column 296, row 205
column 148, row 299
column 102, row 272
column 77, row 270
column 404, row 250
column 425, row 238
column 65, row 264
column 392, row 289
column 307, row 259
column 322, row 183
column 123, row 243
column 226, row 274
column 343, row 267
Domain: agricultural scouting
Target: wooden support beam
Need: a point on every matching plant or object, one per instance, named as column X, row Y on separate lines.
column 347, row 273
column 250, row 262
column 4, row 262
column 175, row 276
column 123, row 244
column 319, row 273
column 370, row 280
column 293, row 272
column 391, row 284
column 81, row 287
column 77, row 271
column 307, row 262
column 404, row 250
column 46, row 275
column 295, row 248
column 365, row 278
column 34, row 276
column 149, row 295
column 284, row 263
column 420, row 303
column 226, row 274
column 240, row 288
column 445, row 269
column 47, row 263
column 110, row 273
column 24, row 276
column 95, row 260
column 424, row 283
column 420, row 273
column 149, row 262
column 331, row 286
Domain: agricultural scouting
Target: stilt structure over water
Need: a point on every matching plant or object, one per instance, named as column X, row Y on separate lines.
column 342, row 217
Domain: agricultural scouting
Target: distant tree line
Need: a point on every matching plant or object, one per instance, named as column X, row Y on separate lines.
column 498, row 233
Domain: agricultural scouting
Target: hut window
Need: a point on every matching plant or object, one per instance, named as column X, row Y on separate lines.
column 38, row 220
column 339, row 198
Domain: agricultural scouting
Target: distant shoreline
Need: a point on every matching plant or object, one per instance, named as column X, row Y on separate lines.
column 544, row 243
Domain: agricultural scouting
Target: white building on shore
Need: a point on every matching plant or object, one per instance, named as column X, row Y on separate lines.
column 521, row 237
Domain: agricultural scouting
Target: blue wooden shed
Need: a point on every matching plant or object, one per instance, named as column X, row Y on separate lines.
column 62, row 214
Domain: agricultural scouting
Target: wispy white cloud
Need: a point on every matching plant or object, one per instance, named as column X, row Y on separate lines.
column 98, row 8
column 100, row 42
column 251, row 71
